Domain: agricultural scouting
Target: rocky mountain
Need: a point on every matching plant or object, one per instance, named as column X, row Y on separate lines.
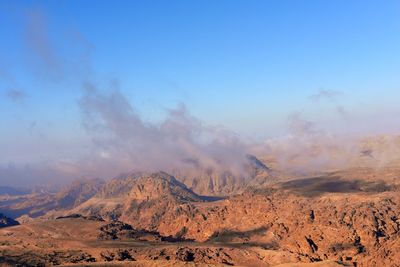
column 38, row 204
column 77, row 193
column 110, row 197
column 138, row 198
column 348, row 217
column 211, row 182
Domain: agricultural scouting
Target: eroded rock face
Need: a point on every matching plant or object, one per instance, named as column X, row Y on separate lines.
column 355, row 228
column 336, row 217
column 186, row 187
column 210, row 182
column 143, row 186
column 117, row 230
column 142, row 200
column 319, row 218
column 49, row 258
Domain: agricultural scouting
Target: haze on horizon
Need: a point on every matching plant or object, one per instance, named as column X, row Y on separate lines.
column 94, row 90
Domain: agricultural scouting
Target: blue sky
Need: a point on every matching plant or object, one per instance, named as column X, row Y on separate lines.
column 246, row 65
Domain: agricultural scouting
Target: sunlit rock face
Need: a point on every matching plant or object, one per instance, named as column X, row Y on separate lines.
column 347, row 217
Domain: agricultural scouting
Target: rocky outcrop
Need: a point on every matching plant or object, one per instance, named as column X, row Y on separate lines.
column 213, row 182
column 140, row 200
column 349, row 218
column 122, row 231
column 320, row 218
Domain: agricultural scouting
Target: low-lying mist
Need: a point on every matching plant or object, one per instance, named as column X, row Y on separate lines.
column 123, row 141
column 119, row 140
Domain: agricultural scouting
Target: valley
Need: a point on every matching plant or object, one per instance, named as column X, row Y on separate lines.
column 343, row 218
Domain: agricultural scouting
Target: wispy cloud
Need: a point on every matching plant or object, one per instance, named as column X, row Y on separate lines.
column 38, row 40
column 120, row 136
column 325, row 94
column 298, row 125
column 333, row 97
column 16, row 95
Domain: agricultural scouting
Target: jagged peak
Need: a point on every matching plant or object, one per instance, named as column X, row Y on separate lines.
column 256, row 163
column 141, row 186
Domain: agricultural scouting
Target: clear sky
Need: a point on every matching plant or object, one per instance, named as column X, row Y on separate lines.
column 246, row 65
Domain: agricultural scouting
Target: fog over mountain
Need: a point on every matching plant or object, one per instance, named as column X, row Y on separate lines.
column 122, row 138
column 102, row 130
column 200, row 133
column 119, row 140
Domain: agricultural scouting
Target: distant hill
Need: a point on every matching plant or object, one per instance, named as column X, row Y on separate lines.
column 140, row 198
column 7, row 190
column 211, row 182
column 5, row 221
column 38, row 204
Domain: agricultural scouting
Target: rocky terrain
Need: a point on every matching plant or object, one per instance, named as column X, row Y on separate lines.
column 35, row 204
column 211, row 182
column 343, row 218
column 81, row 241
